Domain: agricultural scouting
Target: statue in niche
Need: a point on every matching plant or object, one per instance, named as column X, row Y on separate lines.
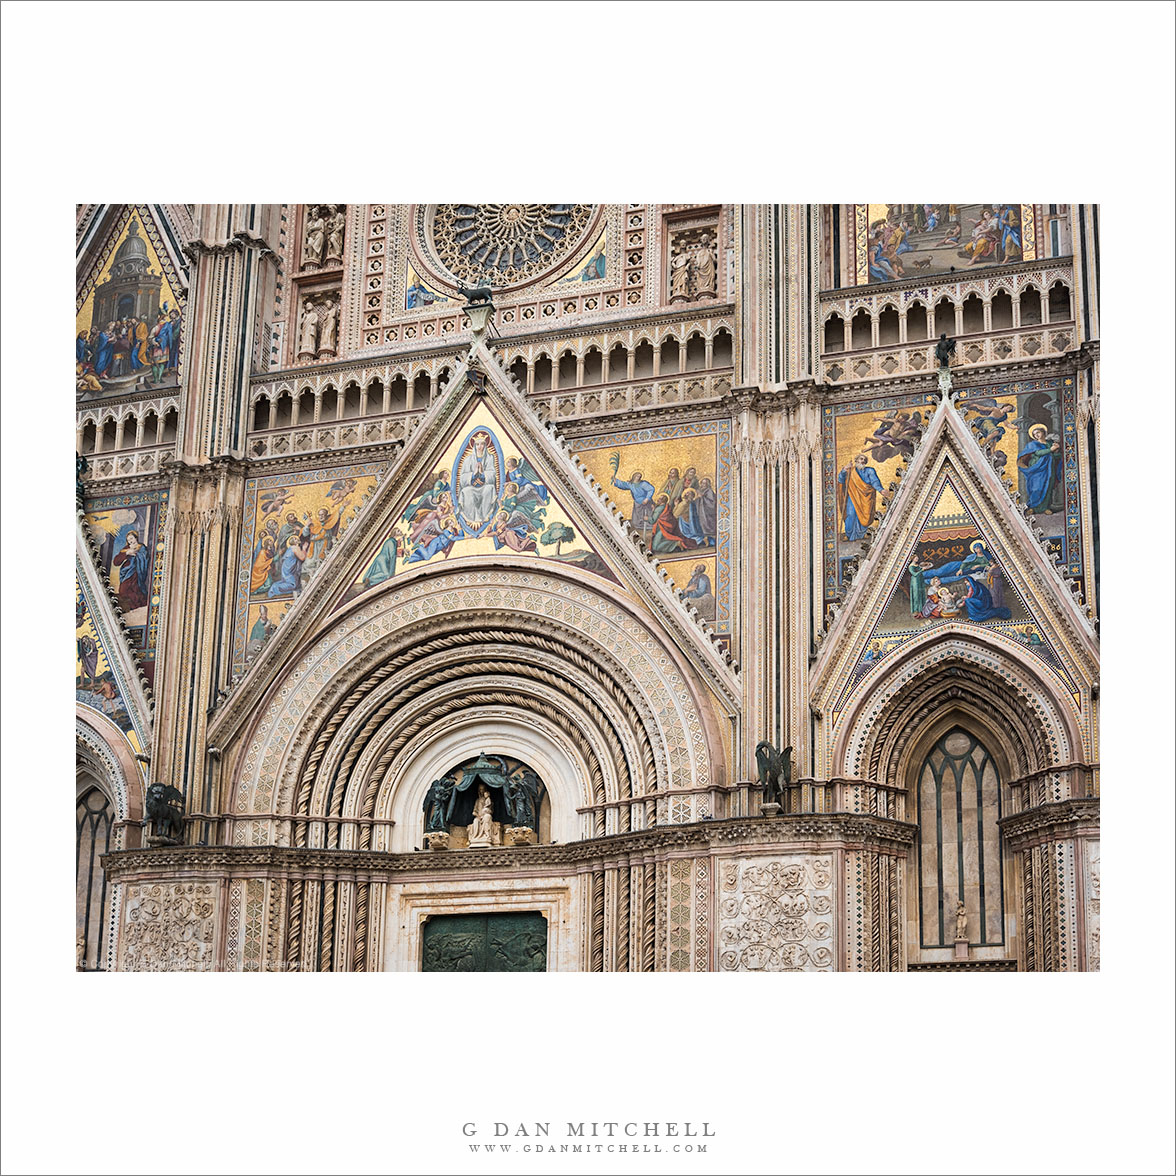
column 481, row 830
column 945, row 350
column 523, row 790
column 438, row 801
column 705, row 269
column 335, row 233
column 308, row 338
column 680, row 278
column 312, row 245
column 961, row 923
column 330, row 328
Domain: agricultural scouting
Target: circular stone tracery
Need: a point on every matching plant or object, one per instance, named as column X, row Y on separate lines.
column 505, row 244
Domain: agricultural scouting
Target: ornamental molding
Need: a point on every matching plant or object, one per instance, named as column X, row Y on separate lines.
column 1054, row 821
column 788, row 833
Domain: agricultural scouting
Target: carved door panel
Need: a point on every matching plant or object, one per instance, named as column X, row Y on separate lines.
column 514, row 942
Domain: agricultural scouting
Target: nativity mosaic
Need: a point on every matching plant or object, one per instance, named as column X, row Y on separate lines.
column 130, row 317
column 897, row 241
column 673, row 485
column 483, row 497
column 128, row 530
column 953, row 574
column 292, row 523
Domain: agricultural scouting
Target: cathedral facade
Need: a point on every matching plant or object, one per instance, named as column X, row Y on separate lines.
column 587, row 587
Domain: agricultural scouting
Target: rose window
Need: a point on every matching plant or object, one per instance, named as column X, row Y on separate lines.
column 505, row 244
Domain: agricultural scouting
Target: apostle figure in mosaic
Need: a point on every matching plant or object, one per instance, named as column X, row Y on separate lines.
column 858, row 487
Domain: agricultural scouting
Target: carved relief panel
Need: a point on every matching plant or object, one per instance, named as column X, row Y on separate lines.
column 776, row 914
column 169, row 927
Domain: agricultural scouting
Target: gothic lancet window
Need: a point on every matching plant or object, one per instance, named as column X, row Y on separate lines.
column 959, row 843
column 95, row 817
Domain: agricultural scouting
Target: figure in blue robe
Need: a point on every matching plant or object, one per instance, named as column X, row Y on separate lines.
column 642, row 492
column 858, row 497
column 979, row 604
column 384, row 567
column 1010, row 230
column 173, row 343
column 1039, row 465
column 436, row 544
column 289, row 578
column 81, row 347
column 690, row 525
column 103, row 353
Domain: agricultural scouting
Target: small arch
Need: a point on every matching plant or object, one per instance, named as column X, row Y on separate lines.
column 945, row 317
column 285, row 414
column 593, row 366
column 261, row 411
column 397, row 394
column 835, row 333
column 329, row 404
column 1030, row 302
column 109, row 433
column 567, row 370
column 151, row 427
column 305, row 407
column 351, row 407
column 443, row 377
column 543, row 373
column 89, row 437
column 1002, row 310
column 722, row 351
column 643, row 360
column 861, row 330
column 422, row 389
column 130, row 425
column 695, row 352
column 916, row 322
column 671, row 356
column 171, row 424
column 888, row 327
column 618, row 362
column 973, row 315
column 518, row 369
column 1059, row 303
column 375, row 395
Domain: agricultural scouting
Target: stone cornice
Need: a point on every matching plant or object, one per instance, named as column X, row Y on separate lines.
column 707, row 837
column 1053, row 821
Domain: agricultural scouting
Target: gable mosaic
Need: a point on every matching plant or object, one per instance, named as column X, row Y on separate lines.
column 130, row 316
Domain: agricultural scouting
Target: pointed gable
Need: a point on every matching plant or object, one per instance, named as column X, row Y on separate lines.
column 952, row 556
column 448, row 499
column 482, row 496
